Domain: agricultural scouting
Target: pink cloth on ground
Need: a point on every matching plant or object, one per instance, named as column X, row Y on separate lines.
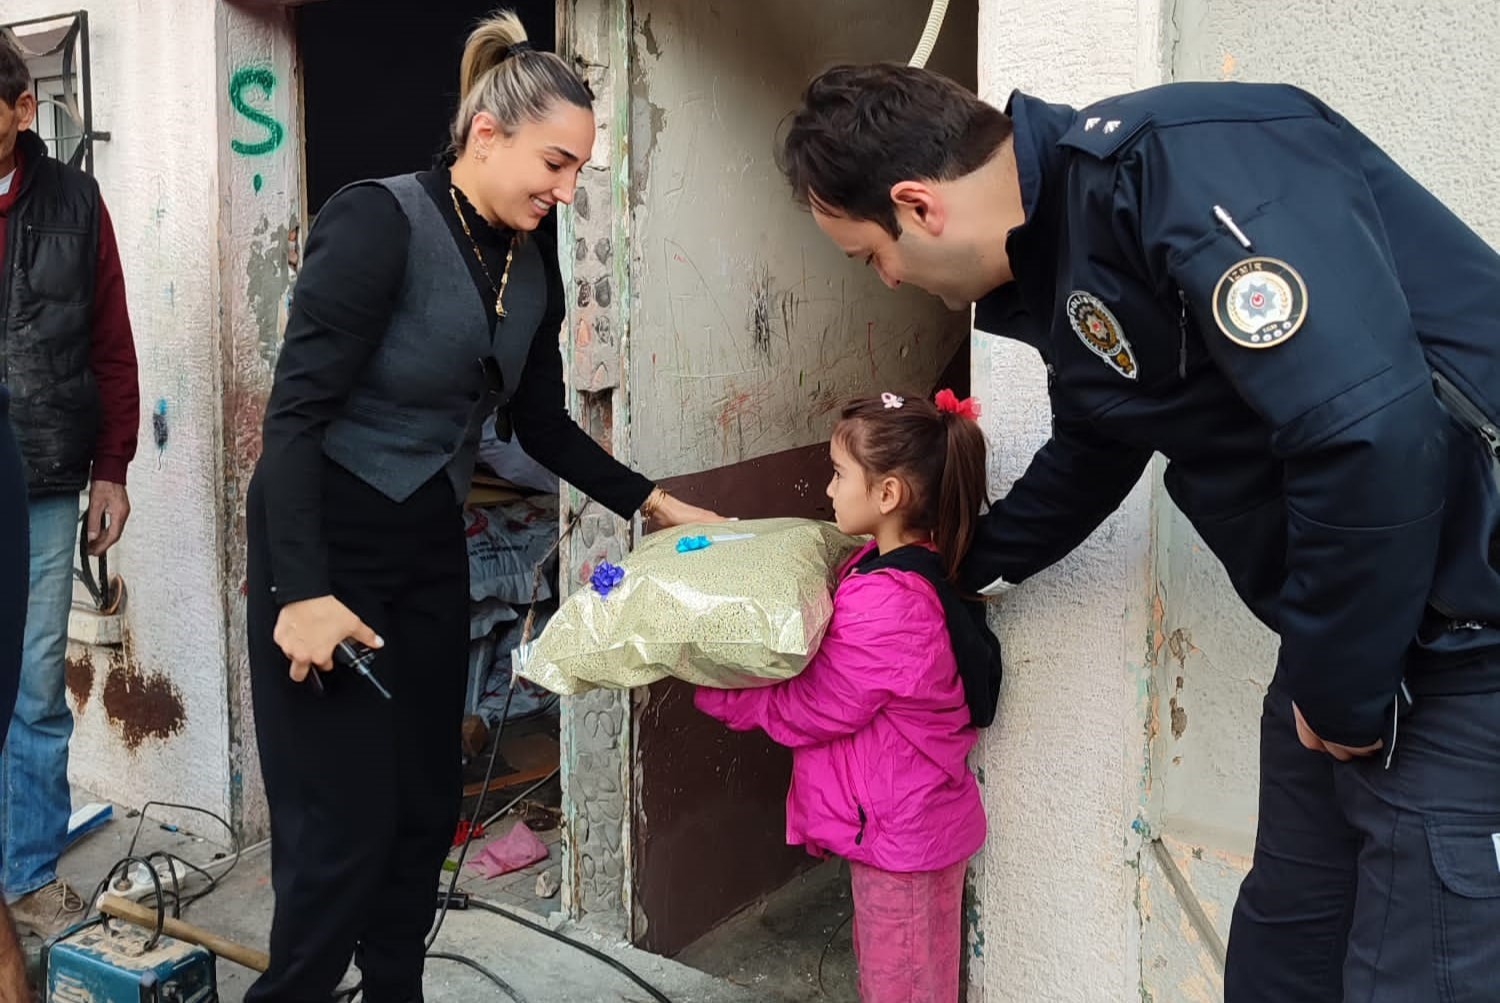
column 517, row 849
column 908, row 933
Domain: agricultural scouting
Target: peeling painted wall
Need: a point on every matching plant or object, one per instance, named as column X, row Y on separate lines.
column 151, row 717
column 1195, row 663
column 1066, row 766
column 746, row 318
column 202, row 179
column 1213, row 660
column 260, row 219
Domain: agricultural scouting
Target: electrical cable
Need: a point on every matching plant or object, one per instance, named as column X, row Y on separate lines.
column 505, row 987
column 173, row 860
column 463, row 850
column 448, row 897
column 618, row 966
column 929, row 33
column 824, row 956
column 518, row 799
column 161, row 915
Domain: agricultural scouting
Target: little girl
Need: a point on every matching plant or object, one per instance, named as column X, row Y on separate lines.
column 882, row 720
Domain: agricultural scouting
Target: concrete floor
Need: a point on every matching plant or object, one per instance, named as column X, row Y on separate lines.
column 776, row 947
column 768, row 954
column 540, row 969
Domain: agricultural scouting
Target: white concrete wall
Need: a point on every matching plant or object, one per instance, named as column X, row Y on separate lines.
column 153, row 723
column 1066, row 766
column 1423, row 85
column 1421, row 79
column 1194, row 663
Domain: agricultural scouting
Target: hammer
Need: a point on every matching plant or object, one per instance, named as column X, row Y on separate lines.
column 134, row 912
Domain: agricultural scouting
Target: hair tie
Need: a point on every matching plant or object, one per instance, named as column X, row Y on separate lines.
column 515, row 48
column 947, row 401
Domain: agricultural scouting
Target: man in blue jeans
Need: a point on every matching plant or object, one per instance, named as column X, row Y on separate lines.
column 15, row 566
column 68, row 358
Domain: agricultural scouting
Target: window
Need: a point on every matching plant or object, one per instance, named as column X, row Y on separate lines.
column 57, row 51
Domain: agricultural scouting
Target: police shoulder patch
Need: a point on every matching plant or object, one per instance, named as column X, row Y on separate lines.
column 1098, row 328
column 1260, row 302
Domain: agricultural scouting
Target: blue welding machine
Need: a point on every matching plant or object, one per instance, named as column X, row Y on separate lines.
column 99, row 965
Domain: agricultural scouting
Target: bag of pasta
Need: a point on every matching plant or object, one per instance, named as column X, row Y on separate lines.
column 732, row 605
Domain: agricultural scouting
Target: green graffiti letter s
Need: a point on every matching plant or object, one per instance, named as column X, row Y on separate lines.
column 255, row 76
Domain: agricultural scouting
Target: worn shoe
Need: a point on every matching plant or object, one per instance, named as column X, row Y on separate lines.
column 49, row 910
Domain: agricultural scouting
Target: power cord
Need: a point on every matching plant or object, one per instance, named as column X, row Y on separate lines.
column 452, row 898
column 160, row 897
column 618, row 966
column 173, row 861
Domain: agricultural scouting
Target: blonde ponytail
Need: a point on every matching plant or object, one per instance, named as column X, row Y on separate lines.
column 502, row 75
column 486, row 47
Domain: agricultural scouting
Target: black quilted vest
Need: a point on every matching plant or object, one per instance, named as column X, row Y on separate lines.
column 46, row 302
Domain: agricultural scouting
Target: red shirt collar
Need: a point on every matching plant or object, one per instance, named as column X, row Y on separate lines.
column 9, row 198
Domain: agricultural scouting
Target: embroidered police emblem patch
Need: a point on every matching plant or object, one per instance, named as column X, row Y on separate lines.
column 1260, row 302
column 1100, row 331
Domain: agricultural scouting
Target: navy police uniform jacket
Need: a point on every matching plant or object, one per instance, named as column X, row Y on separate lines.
column 1234, row 276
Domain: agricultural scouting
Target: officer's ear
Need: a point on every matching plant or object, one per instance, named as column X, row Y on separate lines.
column 919, row 205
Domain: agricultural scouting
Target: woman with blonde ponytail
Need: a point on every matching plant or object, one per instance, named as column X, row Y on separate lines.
column 424, row 305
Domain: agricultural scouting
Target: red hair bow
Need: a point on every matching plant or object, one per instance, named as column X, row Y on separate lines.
column 947, row 400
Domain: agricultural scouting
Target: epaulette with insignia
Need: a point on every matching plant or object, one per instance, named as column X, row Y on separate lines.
column 1101, row 133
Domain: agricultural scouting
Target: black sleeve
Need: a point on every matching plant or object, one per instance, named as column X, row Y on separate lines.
column 1348, row 401
column 1071, row 486
column 540, row 415
column 341, row 306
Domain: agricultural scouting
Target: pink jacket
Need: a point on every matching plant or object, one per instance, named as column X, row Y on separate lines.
column 879, row 731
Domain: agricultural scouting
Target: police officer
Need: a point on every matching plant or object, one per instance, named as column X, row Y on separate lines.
column 1234, row 276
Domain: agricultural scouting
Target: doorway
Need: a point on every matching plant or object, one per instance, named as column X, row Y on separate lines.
column 748, row 331
column 379, row 89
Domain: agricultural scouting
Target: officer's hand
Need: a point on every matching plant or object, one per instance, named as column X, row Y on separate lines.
column 1343, row 753
column 308, row 631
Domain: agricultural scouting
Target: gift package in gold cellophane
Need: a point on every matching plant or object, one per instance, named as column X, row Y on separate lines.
column 729, row 605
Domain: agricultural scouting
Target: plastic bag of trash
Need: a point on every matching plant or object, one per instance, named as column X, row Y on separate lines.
column 732, row 605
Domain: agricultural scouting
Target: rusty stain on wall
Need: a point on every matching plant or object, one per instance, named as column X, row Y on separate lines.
column 141, row 706
column 79, row 675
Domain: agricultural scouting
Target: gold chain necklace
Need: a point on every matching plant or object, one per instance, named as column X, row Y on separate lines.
column 509, row 255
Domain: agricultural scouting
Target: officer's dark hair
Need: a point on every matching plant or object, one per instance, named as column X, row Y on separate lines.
column 939, row 456
column 15, row 77
column 863, row 129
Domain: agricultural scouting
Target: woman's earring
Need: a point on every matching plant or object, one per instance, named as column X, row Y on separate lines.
column 482, row 155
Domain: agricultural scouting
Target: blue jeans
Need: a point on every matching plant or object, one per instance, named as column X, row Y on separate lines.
column 34, row 798
column 15, row 562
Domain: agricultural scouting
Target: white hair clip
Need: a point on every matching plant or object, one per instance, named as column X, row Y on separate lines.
column 891, row 400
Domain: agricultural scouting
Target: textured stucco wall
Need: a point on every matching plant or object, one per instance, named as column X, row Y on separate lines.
column 1421, row 79
column 1419, row 87
column 745, row 318
column 1424, row 88
column 1066, row 766
column 152, row 721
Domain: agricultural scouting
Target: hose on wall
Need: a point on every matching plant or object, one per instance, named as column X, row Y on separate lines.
column 930, row 33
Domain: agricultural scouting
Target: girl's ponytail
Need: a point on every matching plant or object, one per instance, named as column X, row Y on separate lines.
column 963, row 489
